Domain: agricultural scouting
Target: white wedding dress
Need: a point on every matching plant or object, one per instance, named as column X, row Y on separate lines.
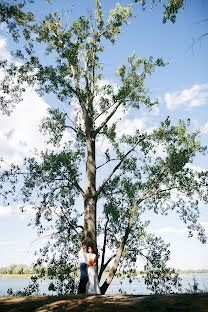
column 92, row 284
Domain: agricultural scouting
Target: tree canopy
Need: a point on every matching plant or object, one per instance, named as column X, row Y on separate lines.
column 114, row 198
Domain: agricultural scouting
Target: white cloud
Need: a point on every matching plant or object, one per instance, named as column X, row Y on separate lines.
column 4, row 53
column 5, row 211
column 155, row 110
column 195, row 168
column 169, row 230
column 25, row 211
column 205, row 226
column 193, row 97
column 204, row 129
column 3, row 26
column 6, row 243
column 28, row 211
column 19, row 132
column 129, row 126
column 174, row 230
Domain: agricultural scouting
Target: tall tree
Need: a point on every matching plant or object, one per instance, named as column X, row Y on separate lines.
column 141, row 180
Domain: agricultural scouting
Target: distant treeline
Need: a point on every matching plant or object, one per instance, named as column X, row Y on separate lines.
column 29, row 269
column 20, row 269
column 193, row 271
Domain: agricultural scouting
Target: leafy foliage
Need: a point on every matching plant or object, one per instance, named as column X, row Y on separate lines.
column 171, row 8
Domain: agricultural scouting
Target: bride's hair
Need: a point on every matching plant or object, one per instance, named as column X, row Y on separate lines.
column 91, row 248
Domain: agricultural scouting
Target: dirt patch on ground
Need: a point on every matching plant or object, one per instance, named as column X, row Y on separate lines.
column 107, row 303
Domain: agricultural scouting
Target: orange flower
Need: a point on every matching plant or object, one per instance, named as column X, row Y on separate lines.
column 90, row 262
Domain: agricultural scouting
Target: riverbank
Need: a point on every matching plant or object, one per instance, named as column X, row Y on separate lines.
column 107, row 303
column 138, row 275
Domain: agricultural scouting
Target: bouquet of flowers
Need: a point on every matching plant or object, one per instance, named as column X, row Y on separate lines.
column 90, row 262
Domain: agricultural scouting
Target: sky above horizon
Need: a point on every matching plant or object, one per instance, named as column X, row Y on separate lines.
column 182, row 90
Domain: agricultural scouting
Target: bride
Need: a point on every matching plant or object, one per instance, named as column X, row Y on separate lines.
column 92, row 285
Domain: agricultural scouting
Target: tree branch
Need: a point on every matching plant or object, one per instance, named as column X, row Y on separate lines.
column 113, row 270
column 160, row 191
column 75, row 183
column 86, row 73
column 78, row 92
column 106, row 162
column 104, row 248
column 107, row 119
column 70, row 127
column 147, row 191
column 93, row 68
column 102, row 269
column 68, row 221
column 117, row 166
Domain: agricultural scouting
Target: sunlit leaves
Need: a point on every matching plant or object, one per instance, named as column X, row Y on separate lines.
column 132, row 90
column 171, row 7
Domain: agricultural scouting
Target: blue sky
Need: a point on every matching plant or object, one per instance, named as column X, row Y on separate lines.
column 182, row 89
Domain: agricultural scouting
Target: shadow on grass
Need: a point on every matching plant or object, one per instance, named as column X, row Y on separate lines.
column 107, row 303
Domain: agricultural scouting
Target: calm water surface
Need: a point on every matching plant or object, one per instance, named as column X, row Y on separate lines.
column 137, row 287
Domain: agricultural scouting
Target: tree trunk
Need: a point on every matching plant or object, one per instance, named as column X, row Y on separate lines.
column 90, row 199
column 113, row 270
column 89, row 233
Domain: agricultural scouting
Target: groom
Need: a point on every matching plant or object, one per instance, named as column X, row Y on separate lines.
column 83, row 269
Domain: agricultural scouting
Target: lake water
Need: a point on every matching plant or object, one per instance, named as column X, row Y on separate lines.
column 137, row 287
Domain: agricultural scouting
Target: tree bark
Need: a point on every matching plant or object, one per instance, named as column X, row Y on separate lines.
column 90, row 198
column 113, row 270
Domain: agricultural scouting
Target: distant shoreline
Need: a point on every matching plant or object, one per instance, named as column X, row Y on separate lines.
column 181, row 273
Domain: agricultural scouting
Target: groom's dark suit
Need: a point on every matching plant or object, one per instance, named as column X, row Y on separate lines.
column 83, row 272
column 83, row 279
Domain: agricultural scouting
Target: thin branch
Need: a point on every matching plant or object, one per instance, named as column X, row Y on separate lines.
column 204, row 20
column 195, row 40
column 106, row 162
column 93, row 68
column 68, row 221
column 117, row 166
column 75, row 183
column 107, row 118
column 76, row 128
column 144, row 256
column 160, row 191
column 70, row 127
column 78, row 92
column 40, row 176
column 86, row 74
column 54, row 233
column 149, row 190
column 102, row 269
column 103, row 112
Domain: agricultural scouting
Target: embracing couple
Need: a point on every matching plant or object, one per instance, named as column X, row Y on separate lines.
column 88, row 273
